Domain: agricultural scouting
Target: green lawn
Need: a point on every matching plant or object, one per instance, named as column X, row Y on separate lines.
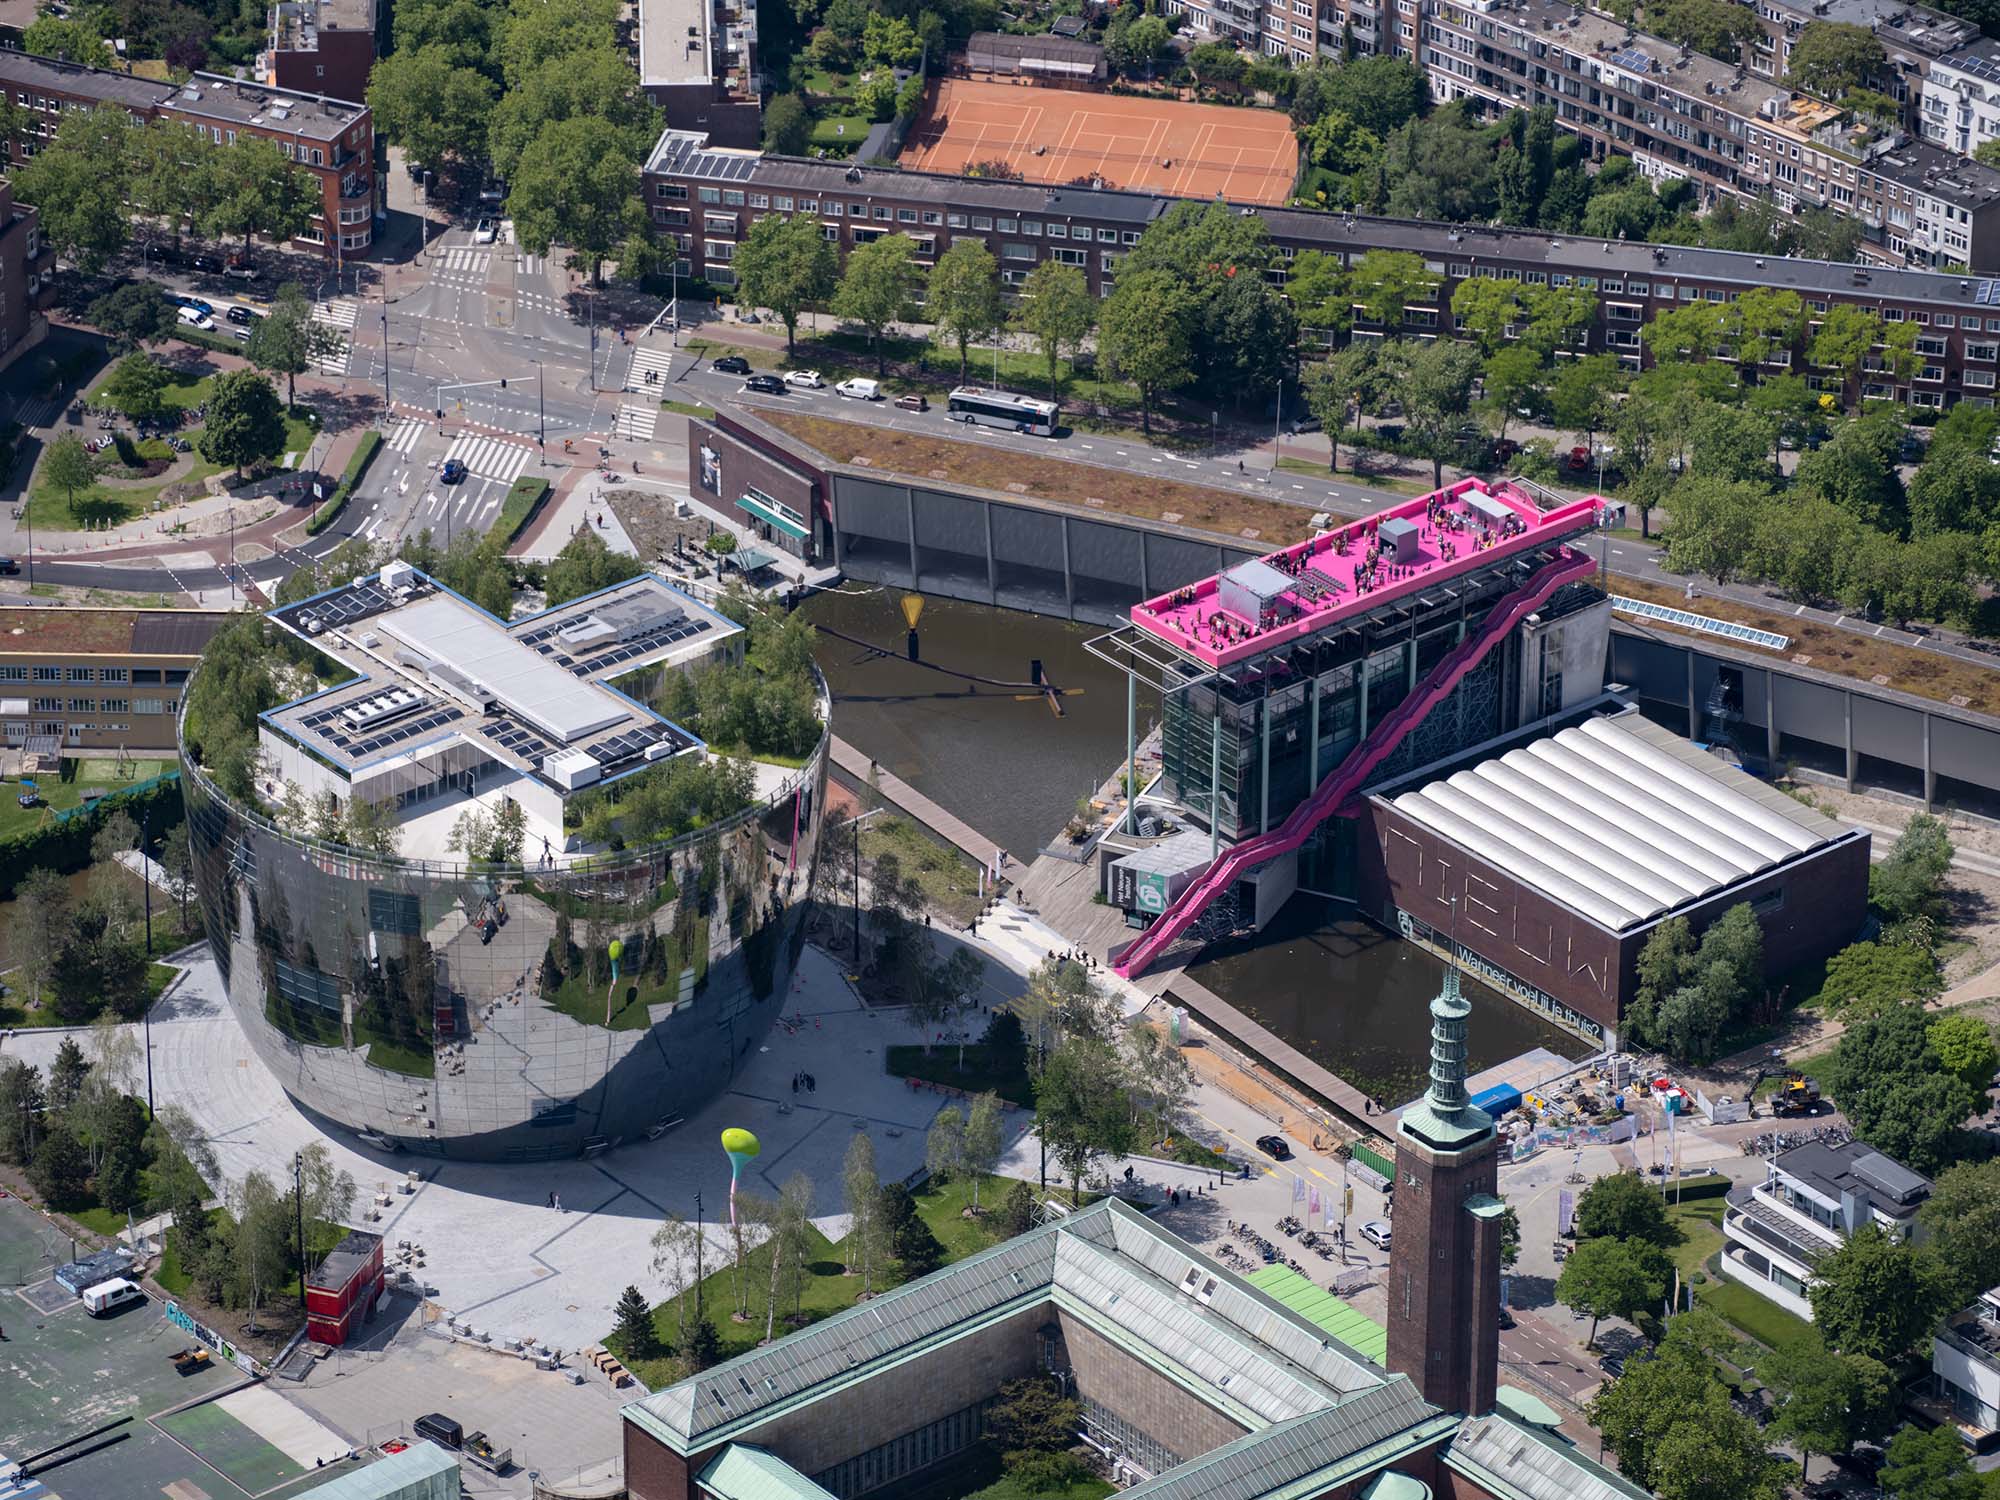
column 51, row 510
column 100, row 1220
column 841, row 130
column 827, row 1289
column 1700, row 1222
column 949, row 879
column 1762, row 1320
column 980, row 1073
column 67, row 789
column 690, row 409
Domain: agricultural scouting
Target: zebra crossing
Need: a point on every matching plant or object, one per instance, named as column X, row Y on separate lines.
column 338, row 315
column 403, row 436
column 660, row 362
column 38, row 411
column 637, row 421
column 490, row 458
column 465, row 258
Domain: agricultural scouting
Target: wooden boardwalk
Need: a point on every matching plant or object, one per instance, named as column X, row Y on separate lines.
column 864, row 773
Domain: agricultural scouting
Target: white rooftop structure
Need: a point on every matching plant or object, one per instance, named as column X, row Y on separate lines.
column 1619, row 819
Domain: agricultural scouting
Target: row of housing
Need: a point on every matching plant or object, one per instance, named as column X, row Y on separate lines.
column 706, row 198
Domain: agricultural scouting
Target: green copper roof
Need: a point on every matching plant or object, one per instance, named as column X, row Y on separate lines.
column 1358, row 1331
column 1444, row 1119
column 741, row 1472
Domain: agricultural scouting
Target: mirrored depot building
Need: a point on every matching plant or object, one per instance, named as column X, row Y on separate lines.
column 498, row 987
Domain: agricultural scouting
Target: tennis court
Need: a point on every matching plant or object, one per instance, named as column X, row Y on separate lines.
column 1067, row 136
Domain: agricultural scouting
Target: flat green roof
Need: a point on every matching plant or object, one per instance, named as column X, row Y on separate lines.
column 1358, row 1331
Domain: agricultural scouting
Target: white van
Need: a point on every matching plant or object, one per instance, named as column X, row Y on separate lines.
column 109, row 1296
column 859, row 389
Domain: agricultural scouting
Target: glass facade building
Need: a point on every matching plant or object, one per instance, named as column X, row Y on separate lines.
column 479, row 1012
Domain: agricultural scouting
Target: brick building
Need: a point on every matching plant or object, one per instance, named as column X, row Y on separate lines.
column 707, row 198
column 98, row 679
column 1192, row 1382
column 333, row 140
column 698, row 63
column 321, row 47
column 26, row 266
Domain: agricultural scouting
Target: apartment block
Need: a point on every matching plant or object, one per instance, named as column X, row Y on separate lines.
column 698, row 63
column 330, row 138
column 1964, row 1384
column 321, row 47
column 1812, row 1198
column 27, row 267
column 98, row 679
column 1912, row 37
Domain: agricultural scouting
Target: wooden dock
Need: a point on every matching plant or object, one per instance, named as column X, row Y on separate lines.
column 864, row 773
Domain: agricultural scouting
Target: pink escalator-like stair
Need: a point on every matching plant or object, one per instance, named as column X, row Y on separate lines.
column 1335, row 790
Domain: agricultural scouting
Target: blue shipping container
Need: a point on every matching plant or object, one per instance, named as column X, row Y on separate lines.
column 1498, row 1100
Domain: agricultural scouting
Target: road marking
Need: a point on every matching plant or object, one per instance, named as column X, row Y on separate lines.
column 637, row 421
column 338, row 315
column 490, row 458
column 404, row 438
column 660, row 362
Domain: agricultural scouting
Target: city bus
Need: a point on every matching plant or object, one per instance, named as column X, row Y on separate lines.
column 968, row 403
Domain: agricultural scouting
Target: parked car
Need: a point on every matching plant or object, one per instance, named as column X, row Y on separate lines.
column 859, row 389
column 10, row 565
column 453, row 471
column 203, row 260
column 915, row 401
column 493, row 192
column 194, row 317
column 1613, row 1365
column 732, row 364
column 108, row 1296
column 808, row 380
column 1376, row 1232
column 1274, row 1147
column 770, row 385
column 241, row 271
column 484, row 232
column 440, row 1429
column 244, row 316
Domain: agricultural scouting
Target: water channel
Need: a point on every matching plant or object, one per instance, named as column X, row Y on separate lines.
column 1347, row 994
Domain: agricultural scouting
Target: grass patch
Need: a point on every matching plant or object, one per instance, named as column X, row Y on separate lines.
column 827, row 1289
column 983, row 1071
column 1700, row 1224
column 524, row 496
column 1269, row 523
column 841, row 130
column 65, row 791
column 690, row 409
column 1762, row 1320
column 99, row 1220
column 949, row 879
column 1845, row 653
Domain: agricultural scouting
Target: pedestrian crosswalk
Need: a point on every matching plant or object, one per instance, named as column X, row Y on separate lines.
column 38, row 411
column 659, row 362
column 466, row 258
column 490, row 458
column 338, row 315
column 403, row 436
column 637, row 421
column 533, row 265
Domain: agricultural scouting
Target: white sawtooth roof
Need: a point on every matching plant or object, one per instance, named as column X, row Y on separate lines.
column 1618, row 819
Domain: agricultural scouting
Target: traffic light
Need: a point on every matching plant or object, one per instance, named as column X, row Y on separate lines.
column 440, row 413
column 503, row 382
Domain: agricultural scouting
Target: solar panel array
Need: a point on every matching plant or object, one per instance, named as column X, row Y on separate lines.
column 512, row 735
column 543, row 640
column 329, row 726
column 1707, row 624
column 347, row 607
column 1632, row 60
column 1988, row 292
column 624, row 746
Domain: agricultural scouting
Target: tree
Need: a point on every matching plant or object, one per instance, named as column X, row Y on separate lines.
column 1929, row 1464
column 1057, row 311
column 1878, row 1296
column 251, row 187
column 1437, row 384
column 1580, row 397
column 1384, row 282
column 1713, row 524
column 1144, row 336
column 878, row 288
column 982, row 1142
column 1896, row 1094
column 1954, row 491
column 1831, row 57
column 133, row 313
column 1819, row 1401
column 1609, row 1278
column 245, row 423
column 61, row 1168
column 963, row 297
column 1964, row 1046
column 78, row 183
column 1484, row 306
column 1845, row 336
column 636, row 1335
column 1032, row 1416
column 1962, row 1219
column 1864, row 979
column 66, row 1074
column 677, row 1254
column 787, row 126
column 75, row 39
column 575, row 185
column 1663, row 1393
column 790, row 1243
column 1243, row 331
column 1081, row 1108
column 584, row 566
column 910, row 1238
column 68, row 466
column 865, row 1245
column 1721, row 1457
column 785, row 264
column 21, row 1105
column 287, row 341
column 436, row 109
column 944, row 1144
column 595, row 83
column 1910, row 883
column 1711, row 26
column 261, row 1249
column 1380, row 92
column 1216, row 63
column 42, row 907
column 137, row 387
column 1622, row 1206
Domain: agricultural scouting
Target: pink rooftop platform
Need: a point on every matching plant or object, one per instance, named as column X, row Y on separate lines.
column 1315, row 585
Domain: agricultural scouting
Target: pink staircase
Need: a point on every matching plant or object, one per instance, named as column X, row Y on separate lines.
column 1335, row 789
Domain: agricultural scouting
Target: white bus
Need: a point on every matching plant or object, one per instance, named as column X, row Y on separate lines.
column 968, row 403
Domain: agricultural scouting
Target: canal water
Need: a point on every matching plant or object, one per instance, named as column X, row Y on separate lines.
column 997, row 758
column 1349, row 995
column 1356, row 999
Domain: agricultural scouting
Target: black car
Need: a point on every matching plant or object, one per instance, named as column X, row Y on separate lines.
column 9, row 565
column 244, row 316
column 201, row 260
column 733, row 364
column 1274, row 1147
column 770, row 385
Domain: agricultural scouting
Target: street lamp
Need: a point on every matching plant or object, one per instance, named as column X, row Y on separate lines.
column 855, row 824
column 146, row 878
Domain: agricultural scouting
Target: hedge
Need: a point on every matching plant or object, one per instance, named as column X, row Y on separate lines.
column 523, row 500
column 64, row 845
column 223, row 343
column 371, row 440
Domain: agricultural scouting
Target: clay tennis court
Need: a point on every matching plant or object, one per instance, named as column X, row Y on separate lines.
column 1059, row 136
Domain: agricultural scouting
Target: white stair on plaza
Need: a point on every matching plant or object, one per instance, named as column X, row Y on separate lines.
column 1024, row 941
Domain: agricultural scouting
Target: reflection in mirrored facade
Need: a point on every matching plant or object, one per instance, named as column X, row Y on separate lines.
column 473, row 1012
